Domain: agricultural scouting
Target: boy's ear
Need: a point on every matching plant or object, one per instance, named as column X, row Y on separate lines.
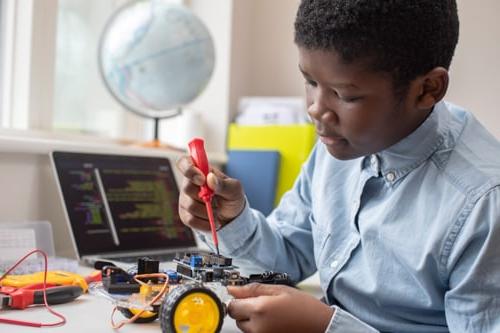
column 432, row 88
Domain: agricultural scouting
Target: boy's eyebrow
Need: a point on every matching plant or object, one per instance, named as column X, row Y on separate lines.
column 335, row 85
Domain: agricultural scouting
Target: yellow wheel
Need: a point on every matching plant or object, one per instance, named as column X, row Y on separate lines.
column 191, row 308
column 145, row 317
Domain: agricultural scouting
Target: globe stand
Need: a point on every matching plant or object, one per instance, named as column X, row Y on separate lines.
column 156, row 143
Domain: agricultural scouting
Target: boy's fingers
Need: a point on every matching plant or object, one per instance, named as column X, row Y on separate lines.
column 222, row 185
column 218, row 173
column 183, row 164
column 244, row 325
column 240, row 309
column 190, row 189
column 186, row 167
column 227, row 188
column 193, row 206
column 254, row 290
column 193, row 221
column 196, row 223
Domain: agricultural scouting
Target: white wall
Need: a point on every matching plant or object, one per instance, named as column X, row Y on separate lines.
column 475, row 70
column 264, row 58
column 30, row 194
column 274, row 57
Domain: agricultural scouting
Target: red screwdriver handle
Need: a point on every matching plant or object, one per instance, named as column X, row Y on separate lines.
column 200, row 160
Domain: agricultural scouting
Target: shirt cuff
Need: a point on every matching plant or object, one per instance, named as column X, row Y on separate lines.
column 343, row 321
column 234, row 234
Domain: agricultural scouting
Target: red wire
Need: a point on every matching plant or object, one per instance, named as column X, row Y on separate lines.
column 55, row 313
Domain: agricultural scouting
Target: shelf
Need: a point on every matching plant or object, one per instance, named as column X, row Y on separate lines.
column 28, row 142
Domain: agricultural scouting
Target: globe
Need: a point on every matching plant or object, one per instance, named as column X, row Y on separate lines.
column 155, row 57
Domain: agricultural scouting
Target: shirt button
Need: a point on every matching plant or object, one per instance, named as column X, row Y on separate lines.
column 390, row 176
column 373, row 160
column 334, row 264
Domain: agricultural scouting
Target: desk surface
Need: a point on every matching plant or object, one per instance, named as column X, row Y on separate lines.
column 92, row 314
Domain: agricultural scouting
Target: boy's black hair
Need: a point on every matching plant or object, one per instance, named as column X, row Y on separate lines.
column 405, row 38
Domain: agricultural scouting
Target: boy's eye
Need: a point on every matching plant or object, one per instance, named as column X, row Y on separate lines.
column 311, row 83
column 350, row 99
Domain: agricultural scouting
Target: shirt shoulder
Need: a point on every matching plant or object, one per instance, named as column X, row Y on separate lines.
column 469, row 156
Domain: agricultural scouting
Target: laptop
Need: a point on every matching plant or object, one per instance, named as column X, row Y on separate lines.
column 120, row 208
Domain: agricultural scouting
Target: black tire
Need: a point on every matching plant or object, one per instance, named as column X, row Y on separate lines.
column 171, row 302
column 128, row 314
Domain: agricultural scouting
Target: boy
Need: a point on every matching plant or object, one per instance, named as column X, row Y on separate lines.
column 398, row 205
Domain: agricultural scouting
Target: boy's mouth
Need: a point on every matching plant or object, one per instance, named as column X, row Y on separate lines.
column 330, row 139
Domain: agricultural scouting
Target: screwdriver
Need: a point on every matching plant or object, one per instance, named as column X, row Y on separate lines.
column 200, row 160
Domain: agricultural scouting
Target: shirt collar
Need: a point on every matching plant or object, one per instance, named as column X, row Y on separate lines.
column 398, row 160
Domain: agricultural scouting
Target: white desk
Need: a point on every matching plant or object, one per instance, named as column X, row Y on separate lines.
column 90, row 314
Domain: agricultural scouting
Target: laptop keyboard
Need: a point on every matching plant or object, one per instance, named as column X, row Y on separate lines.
column 133, row 259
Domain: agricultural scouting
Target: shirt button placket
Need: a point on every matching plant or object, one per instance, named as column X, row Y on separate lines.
column 375, row 164
column 355, row 208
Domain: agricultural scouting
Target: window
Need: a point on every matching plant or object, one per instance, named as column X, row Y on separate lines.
column 81, row 101
column 50, row 76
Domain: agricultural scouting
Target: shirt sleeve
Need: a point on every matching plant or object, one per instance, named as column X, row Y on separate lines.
column 472, row 302
column 281, row 242
column 343, row 321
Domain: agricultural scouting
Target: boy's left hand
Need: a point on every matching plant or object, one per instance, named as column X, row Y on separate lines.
column 275, row 308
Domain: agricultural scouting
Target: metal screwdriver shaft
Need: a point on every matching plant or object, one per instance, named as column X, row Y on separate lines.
column 208, row 205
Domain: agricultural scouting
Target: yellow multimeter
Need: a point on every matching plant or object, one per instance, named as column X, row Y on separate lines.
column 53, row 277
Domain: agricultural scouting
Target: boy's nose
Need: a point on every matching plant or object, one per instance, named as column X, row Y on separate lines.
column 319, row 108
column 315, row 110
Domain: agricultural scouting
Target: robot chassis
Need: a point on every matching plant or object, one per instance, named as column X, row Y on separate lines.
column 193, row 298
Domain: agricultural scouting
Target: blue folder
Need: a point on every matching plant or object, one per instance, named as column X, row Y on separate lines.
column 258, row 172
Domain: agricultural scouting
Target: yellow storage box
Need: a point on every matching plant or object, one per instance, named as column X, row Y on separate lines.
column 294, row 142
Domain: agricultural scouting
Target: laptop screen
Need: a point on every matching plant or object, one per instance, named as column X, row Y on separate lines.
column 120, row 203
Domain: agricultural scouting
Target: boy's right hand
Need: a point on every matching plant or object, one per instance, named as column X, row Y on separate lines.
column 228, row 199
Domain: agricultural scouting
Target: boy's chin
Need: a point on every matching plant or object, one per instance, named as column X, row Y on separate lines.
column 343, row 151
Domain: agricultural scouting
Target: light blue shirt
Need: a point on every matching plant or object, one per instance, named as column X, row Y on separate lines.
column 406, row 240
